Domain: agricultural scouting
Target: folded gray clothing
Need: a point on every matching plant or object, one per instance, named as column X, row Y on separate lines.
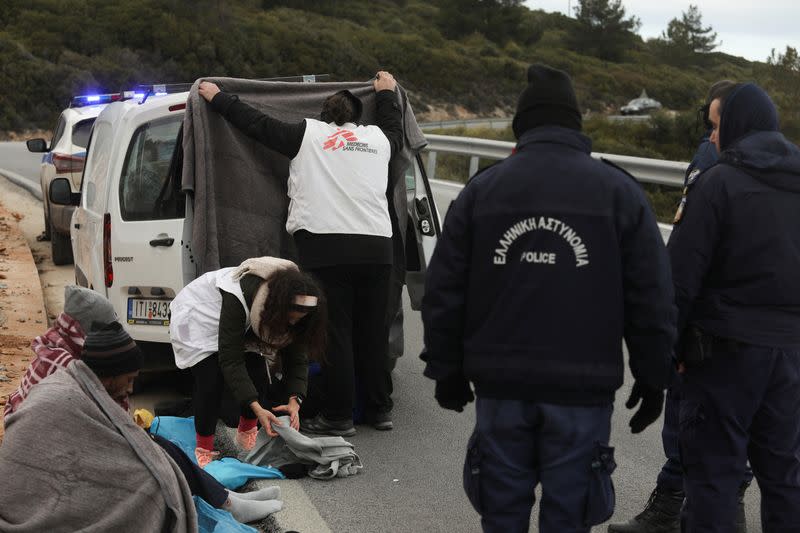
column 330, row 456
column 346, row 467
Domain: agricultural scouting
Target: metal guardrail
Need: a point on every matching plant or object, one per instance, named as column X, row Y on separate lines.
column 657, row 171
column 493, row 123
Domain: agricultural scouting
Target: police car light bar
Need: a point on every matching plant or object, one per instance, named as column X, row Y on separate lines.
column 95, row 99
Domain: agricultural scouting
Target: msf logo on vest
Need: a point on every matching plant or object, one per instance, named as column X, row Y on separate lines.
column 339, row 140
column 346, row 141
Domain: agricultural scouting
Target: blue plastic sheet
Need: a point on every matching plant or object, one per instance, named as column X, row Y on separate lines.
column 213, row 520
column 178, row 430
column 231, row 472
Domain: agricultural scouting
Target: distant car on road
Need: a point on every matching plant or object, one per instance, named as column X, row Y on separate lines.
column 64, row 158
column 640, row 106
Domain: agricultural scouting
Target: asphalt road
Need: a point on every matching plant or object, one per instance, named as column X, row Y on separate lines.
column 411, row 480
column 15, row 157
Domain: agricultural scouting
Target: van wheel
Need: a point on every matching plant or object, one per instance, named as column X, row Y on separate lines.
column 61, row 247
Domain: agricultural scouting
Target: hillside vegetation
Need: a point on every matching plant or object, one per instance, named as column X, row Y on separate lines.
column 450, row 55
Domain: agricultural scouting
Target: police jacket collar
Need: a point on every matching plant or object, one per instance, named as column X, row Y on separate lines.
column 555, row 135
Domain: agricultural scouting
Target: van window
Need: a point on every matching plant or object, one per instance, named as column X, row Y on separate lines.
column 95, row 174
column 80, row 133
column 146, row 170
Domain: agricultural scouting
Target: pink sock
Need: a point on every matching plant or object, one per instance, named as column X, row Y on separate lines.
column 246, row 424
column 205, row 441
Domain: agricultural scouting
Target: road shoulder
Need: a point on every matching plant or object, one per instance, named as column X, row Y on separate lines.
column 22, row 310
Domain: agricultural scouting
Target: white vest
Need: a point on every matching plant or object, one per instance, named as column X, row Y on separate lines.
column 338, row 180
column 194, row 323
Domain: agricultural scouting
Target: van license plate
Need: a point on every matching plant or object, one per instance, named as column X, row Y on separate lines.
column 148, row 312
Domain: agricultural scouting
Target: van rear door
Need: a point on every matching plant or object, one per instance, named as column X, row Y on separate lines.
column 147, row 233
column 423, row 230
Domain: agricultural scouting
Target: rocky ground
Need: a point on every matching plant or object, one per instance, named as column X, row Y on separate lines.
column 27, row 302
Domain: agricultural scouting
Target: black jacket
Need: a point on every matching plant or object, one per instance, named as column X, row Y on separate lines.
column 736, row 252
column 546, row 260
column 232, row 337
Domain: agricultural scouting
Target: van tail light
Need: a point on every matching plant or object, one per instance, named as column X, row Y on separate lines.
column 65, row 163
column 107, row 266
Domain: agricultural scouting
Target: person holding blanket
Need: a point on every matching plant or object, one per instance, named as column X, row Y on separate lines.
column 230, row 325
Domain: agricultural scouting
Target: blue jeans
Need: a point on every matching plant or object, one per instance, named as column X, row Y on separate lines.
column 742, row 403
column 516, row 445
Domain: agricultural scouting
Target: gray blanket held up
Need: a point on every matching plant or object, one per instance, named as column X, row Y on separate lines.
column 240, row 186
column 73, row 460
column 327, row 457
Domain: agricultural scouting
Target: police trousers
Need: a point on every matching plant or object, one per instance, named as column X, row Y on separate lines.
column 743, row 403
column 516, row 445
column 671, row 475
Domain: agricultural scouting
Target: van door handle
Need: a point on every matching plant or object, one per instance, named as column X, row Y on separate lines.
column 162, row 242
column 76, row 226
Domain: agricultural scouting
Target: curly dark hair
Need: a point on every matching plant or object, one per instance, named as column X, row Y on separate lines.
column 311, row 330
column 339, row 108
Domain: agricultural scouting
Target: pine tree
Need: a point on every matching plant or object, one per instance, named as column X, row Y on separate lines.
column 689, row 34
column 603, row 29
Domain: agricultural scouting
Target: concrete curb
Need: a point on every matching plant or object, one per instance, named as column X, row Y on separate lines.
column 20, row 181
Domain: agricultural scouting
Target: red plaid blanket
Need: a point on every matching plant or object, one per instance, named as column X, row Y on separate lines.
column 54, row 349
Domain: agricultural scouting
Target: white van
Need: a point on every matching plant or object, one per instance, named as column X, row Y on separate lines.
column 132, row 243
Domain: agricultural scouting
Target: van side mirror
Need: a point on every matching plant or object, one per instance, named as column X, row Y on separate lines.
column 37, row 145
column 61, row 193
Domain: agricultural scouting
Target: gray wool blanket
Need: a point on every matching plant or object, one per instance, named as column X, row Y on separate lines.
column 327, row 457
column 73, row 460
column 239, row 187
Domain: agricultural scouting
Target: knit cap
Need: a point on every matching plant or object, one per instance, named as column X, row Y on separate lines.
column 110, row 351
column 548, row 100
column 87, row 306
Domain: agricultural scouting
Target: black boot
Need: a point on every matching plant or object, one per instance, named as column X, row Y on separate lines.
column 662, row 514
column 741, row 519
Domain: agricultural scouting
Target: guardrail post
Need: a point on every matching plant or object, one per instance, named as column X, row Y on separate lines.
column 431, row 165
column 473, row 165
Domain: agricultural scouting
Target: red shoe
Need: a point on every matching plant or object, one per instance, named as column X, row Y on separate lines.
column 204, row 456
column 247, row 439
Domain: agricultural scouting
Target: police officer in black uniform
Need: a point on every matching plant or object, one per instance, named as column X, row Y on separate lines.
column 735, row 257
column 546, row 261
column 662, row 513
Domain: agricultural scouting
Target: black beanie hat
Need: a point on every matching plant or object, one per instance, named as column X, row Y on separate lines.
column 110, row 351
column 548, row 100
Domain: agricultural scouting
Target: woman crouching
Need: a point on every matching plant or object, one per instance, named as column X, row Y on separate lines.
column 242, row 328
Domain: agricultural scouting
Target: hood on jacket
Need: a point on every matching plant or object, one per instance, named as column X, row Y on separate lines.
column 748, row 109
column 749, row 138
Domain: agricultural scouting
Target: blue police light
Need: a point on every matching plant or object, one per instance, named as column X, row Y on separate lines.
column 94, row 99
